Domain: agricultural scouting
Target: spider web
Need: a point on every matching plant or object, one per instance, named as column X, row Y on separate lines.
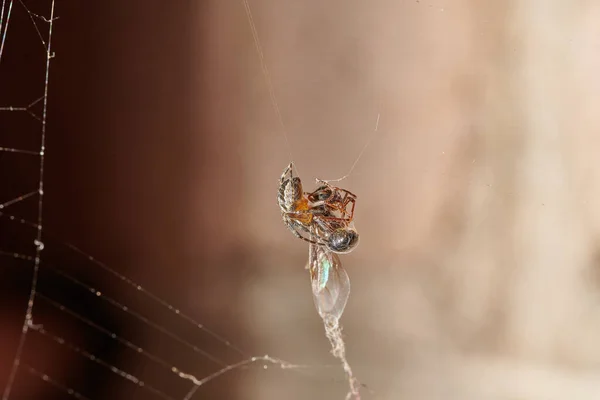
column 72, row 341
column 72, row 326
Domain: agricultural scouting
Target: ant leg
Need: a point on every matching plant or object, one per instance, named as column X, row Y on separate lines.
column 299, row 236
column 345, row 205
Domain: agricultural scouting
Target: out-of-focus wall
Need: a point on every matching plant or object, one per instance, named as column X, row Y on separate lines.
column 477, row 274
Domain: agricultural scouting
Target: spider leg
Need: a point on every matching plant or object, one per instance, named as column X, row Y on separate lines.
column 338, row 210
column 287, row 171
column 294, row 224
column 299, row 236
column 348, row 192
column 347, row 201
column 322, row 182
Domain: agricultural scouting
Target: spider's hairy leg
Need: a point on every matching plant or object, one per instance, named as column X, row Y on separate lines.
column 299, row 236
column 346, row 201
column 342, row 198
column 288, row 173
column 353, row 201
column 296, row 226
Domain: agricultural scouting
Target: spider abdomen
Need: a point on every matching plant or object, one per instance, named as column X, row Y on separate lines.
column 290, row 194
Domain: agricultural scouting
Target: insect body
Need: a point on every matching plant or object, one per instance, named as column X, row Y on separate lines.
column 323, row 217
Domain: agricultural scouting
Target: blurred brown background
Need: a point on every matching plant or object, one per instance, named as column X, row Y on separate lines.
column 477, row 273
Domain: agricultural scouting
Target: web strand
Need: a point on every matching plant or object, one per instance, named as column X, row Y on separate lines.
column 20, row 151
column 2, row 15
column 154, row 298
column 275, row 103
column 17, row 199
column 38, row 241
column 333, row 331
column 359, row 155
column 118, row 305
column 157, row 299
column 98, row 360
column 5, row 26
column 267, row 75
column 31, row 17
column 54, row 383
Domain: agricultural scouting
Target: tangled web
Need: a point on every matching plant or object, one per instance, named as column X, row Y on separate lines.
column 52, row 319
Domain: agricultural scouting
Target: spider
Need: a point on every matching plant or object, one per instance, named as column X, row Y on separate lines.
column 322, row 217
